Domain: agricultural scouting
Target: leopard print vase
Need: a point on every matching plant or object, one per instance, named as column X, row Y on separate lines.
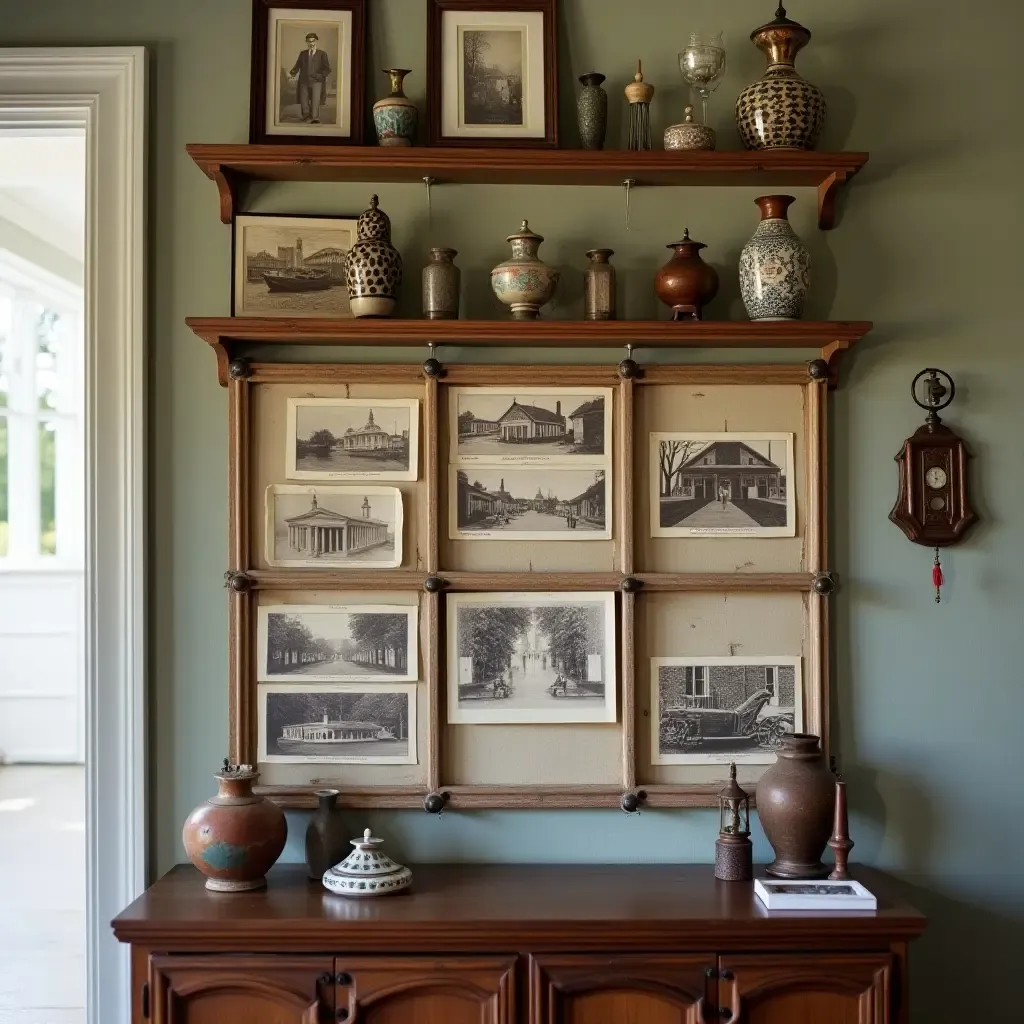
column 373, row 266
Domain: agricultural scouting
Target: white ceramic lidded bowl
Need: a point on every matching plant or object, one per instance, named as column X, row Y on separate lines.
column 367, row 872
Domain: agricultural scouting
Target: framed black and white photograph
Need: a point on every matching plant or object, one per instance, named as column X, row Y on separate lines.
column 337, row 643
column 531, row 658
column 344, row 724
column 534, row 425
column 722, row 485
column 715, row 710
column 352, row 438
column 333, row 527
column 291, row 266
column 492, row 72
column 537, row 503
column 308, row 71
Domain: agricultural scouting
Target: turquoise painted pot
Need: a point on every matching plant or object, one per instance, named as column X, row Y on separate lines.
column 395, row 117
column 525, row 282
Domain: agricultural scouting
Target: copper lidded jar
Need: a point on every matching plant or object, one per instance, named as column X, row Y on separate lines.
column 599, row 286
column 686, row 283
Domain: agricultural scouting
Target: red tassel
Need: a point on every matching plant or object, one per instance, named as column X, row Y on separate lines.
column 937, row 578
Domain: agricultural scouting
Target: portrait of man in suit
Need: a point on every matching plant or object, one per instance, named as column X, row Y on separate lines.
column 309, row 76
column 310, row 73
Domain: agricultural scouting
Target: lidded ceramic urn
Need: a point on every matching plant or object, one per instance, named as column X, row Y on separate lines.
column 367, row 871
column 781, row 110
column 525, row 282
column 395, row 116
column 373, row 265
column 688, row 134
column 686, row 283
column 775, row 265
column 235, row 837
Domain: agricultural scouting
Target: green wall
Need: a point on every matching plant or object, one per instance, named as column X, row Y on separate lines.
column 929, row 704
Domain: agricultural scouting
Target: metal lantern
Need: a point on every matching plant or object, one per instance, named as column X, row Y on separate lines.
column 734, row 859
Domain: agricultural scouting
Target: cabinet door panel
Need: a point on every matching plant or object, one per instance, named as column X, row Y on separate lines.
column 619, row 989
column 802, row 989
column 425, row 990
column 253, row 989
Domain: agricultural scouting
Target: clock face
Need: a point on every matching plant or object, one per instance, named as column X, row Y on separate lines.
column 935, row 477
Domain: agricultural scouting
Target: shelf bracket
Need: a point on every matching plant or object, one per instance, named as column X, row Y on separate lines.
column 228, row 190
column 830, row 355
column 828, row 191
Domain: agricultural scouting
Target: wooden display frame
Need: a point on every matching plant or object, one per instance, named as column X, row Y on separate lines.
column 633, row 582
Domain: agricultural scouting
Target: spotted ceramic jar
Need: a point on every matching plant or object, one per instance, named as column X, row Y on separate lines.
column 373, row 266
column 525, row 282
column 775, row 265
column 395, row 117
column 781, row 110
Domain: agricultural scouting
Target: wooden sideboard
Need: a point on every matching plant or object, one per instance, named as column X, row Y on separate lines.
column 497, row 944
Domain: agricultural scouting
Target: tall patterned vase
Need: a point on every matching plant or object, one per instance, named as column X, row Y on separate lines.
column 373, row 266
column 775, row 265
column 395, row 117
column 781, row 110
column 592, row 110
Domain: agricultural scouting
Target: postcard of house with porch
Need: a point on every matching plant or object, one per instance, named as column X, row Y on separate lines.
column 722, row 485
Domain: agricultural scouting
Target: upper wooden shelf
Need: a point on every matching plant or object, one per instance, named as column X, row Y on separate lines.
column 233, row 167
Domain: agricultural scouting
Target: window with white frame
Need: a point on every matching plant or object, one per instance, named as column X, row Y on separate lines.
column 41, row 445
column 771, row 680
column 695, row 680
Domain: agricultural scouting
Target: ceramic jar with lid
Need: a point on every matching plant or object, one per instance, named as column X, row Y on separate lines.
column 367, row 871
column 686, row 283
column 775, row 265
column 689, row 134
column 395, row 116
column 373, row 265
column 525, row 282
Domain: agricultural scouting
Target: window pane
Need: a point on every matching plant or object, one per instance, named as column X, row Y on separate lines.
column 47, row 492
column 49, row 328
column 3, row 486
column 6, row 309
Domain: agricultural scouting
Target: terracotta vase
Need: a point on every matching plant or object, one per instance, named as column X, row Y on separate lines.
column 235, row 837
column 775, row 265
column 796, row 802
column 395, row 116
column 326, row 835
column 686, row 283
column 373, row 266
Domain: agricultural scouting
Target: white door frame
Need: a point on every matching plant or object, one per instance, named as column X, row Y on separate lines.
column 103, row 90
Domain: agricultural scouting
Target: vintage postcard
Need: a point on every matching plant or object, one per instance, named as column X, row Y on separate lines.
column 717, row 710
column 722, row 485
column 531, row 658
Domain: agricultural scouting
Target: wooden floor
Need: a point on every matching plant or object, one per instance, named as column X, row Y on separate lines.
column 42, row 894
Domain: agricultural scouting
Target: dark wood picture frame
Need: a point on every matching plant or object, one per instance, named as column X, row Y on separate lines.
column 436, row 9
column 258, row 73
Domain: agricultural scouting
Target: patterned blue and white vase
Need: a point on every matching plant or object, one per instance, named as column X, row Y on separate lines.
column 395, row 117
column 373, row 266
column 775, row 265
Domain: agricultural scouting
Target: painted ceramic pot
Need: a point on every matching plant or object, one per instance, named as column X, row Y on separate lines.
column 599, row 286
column 441, row 285
column 689, row 134
column 686, row 283
column 796, row 804
column 592, row 110
column 395, row 116
column 373, row 266
column 367, row 871
column 235, row 837
column 524, row 283
column 781, row 110
column 775, row 265
column 326, row 834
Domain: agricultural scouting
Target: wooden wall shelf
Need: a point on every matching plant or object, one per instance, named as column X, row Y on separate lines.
column 226, row 334
column 232, row 167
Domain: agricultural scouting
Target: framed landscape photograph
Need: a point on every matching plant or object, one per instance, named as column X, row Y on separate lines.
column 492, row 72
column 570, row 426
column 539, row 503
column 722, row 485
column 337, row 643
column 716, row 710
column 352, row 438
column 353, row 724
column 308, row 71
column 531, row 658
column 333, row 527
column 291, row 266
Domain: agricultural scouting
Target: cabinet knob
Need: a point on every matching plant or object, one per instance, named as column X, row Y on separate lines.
column 342, row 1013
column 343, row 979
column 324, row 980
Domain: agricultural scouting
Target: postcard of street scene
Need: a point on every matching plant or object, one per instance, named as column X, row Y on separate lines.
column 722, row 485
column 538, row 503
column 351, row 724
column 337, row 643
column 337, row 527
column 348, row 439
column 531, row 658
column 565, row 425
column 716, row 710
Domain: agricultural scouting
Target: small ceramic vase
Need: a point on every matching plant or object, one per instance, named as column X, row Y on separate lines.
column 689, row 134
column 441, row 282
column 235, row 837
column 775, row 265
column 781, row 110
column 599, row 286
column 592, row 108
column 795, row 802
column 367, row 872
column 525, row 282
column 373, row 266
column 325, row 834
column 395, row 117
column 686, row 283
